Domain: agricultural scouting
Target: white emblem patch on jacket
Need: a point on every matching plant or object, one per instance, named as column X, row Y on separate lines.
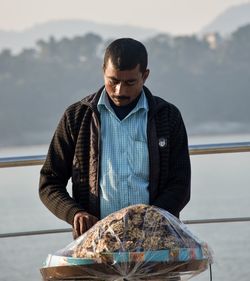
column 162, row 142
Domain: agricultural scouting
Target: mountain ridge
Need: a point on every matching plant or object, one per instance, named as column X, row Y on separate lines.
column 229, row 20
column 17, row 40
column 225, row 23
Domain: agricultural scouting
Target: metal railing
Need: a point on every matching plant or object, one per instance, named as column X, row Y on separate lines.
column 65, row 230
column 200, row 149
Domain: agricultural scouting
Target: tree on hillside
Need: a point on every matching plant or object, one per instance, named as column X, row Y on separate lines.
column 209, row 85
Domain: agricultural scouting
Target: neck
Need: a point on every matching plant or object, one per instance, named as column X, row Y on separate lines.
column 122, row 111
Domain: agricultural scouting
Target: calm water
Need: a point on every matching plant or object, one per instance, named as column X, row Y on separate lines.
column 220, row 188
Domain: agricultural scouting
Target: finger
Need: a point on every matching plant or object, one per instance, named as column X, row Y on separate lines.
column 75, row 236
column 91, row 221
column 77, row 227
column 88, row 223
column 82, row 225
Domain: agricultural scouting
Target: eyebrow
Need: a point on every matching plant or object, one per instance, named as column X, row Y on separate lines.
column 128, row 80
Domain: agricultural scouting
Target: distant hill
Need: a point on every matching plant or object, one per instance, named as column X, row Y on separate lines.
column 209, row 85
column 16, row 41
column 230, row 20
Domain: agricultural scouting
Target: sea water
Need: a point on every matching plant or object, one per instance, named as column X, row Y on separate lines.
column 220, row 189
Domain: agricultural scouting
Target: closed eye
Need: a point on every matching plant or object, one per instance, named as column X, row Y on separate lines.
column 130, row 82
column 113, row 81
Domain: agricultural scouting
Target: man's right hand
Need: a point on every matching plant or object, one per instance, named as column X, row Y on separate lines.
column 82, row 222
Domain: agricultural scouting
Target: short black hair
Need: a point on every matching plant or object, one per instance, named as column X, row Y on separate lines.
column 126, row 54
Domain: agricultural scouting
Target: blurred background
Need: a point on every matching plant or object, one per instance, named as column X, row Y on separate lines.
column 51, row 56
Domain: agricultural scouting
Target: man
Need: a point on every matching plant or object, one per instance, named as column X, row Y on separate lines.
column 121, row 146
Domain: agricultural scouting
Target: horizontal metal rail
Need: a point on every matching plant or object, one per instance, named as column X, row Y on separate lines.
column 233, row 147
column 65, row 230
column 35, row 232
column 21, row 161
column 199, row 149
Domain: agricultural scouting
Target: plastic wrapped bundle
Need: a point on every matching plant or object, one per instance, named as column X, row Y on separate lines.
column 139, row 242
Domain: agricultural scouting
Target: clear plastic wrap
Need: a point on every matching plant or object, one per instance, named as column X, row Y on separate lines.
column 139, row 242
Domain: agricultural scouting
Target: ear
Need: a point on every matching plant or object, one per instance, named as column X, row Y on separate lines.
column 103, row 68
column 145, row 75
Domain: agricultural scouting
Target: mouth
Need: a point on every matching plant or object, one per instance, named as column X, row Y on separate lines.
column 120, row 98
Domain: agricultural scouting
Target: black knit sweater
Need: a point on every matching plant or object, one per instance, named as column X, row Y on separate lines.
column 74, row 153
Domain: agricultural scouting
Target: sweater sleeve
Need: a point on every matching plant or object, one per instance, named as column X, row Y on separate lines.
column 176, row 192
column 56, row 172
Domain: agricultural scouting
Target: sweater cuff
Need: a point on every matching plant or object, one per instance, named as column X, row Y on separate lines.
column 71, row 214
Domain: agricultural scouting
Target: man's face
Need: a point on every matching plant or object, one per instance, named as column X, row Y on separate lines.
column 123, row 86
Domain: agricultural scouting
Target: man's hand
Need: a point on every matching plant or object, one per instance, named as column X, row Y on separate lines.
column 82, row 222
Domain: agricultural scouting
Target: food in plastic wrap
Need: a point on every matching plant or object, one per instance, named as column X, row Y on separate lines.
column 139, row 242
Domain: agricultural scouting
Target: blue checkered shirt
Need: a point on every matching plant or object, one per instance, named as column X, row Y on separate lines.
column 124, row 170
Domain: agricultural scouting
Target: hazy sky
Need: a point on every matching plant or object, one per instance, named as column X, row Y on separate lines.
column 174, row 16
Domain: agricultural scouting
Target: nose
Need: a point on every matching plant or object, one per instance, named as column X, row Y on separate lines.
column 119, row 88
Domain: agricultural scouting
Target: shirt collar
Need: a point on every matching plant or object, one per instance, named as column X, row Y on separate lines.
column 104, row 102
